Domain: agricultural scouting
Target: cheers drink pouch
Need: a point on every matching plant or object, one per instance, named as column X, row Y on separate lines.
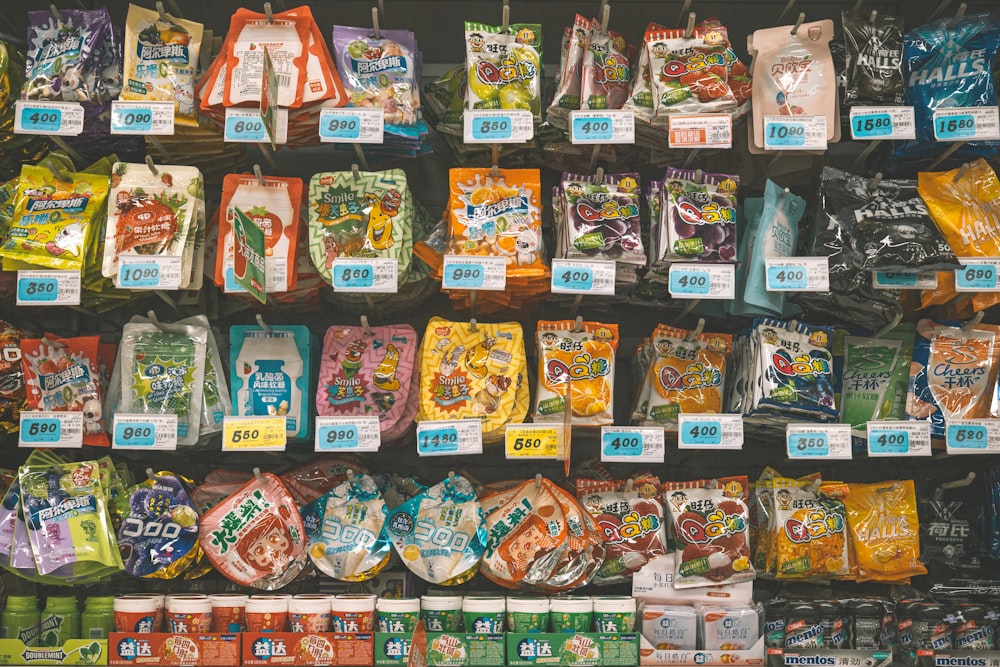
column 287, row 37
column 885, row 533
column 602, row 218
column 700, row 213
column 439, row 534
column 569, row 84
column 873, row 46
column 12, row 394
column 607, row 72
column 379, row 71
column 505, row 68
column 158, row 539
column 161, row 61
column 810, row 533
column 581, row 359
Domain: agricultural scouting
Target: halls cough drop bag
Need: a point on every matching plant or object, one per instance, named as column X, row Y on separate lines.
column 884, row 530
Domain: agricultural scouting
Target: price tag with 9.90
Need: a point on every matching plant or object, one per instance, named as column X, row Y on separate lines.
column 478, row 273
column 356, row 434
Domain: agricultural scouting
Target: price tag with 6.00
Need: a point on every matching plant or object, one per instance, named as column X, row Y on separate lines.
column 973, row 436
column 48, row 288
column 247, row 126
column 263, row 434
column 50, row 429
column 578, row 276
column 488, row 126
column 356, row 434
column 447, row 437
column 138, row 431
column 478, row 273
column 709, row 431
column 629, row 444
column 812, row 441
column 899, row 438
column 533, row 441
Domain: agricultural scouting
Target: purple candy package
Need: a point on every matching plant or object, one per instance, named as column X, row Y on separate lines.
column 698, row 210
column 380, row 71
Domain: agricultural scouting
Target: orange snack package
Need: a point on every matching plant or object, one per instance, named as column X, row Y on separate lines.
column 884, row 530
column 287, row 37
column 582, row 357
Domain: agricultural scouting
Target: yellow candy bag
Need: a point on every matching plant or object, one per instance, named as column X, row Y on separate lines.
column 582, row 357
column 810, row 537
column 884, row 530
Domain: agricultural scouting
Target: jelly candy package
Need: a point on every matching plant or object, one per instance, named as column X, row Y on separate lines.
column 885, row 530
column 698, row 216
column 578, row 561
column 607, row 71
column 62, row 375
column 66, row 513
column 256, row 537
column 317, row 477
column 269, row 374
column 579, row 358
column 15, row 549
column 54, row 217
column 810, row 533
column 792, row 372
column 12, row 394
column 161, row 61
column 362, row 214
column 273, row 205
column 710, row 527
column 498, row 216
column 875, row 378
column 152, row 212
column 380, row 71
column 873, row 46
column 569, row 84
column 440, row 534
column 158, row 539
column 640, row 94
column 345, row 529
column 600, row 218
column 953, row 374
column 505, row 68
column 369, row 373
column 287, row 37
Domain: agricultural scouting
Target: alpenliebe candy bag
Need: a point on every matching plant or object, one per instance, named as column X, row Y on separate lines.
column 505, row 68
column 274, row 206
column 631, row 518
column 379, row 71
column 953, row 374
column 811, row 539
column 579, row 358
column 601, row 218
column 568, row 86
column 367, row 372
column 53, row 217
column 256, row 537
column 345, row 530
column 12, row 394
column 710, row 525
column 885, row 531
column 607, row 71
column 66, row 514
column 698, row 216
column 439, row 534
column 158, row 538
column 161, row 61
column 499, row 217
column 362, row 214
column 286, row 37
column 61, row 374
column 873, row 46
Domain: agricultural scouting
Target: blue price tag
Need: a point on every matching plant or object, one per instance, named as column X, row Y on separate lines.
column 338, row 436
column 787, row 277
column 976, row 277
column 467, row 275
column 39, row 290
column 804, row 445
column 702, row 433
column 132, row 119
column 39, row 430
column 622, row 443
column 581, row 280
column 592, row 129
column 135, row 434
column 888, row 441
column 438, row 440
column 245, row 129
column 785, row 133
column 897, row 279
column 689, row 281
column 139, row 275
column 41, row 120
column 341, row 127
column 956, row 127
column 967, row 436
column 872, row 125
column 354, row 276
column 493, row 128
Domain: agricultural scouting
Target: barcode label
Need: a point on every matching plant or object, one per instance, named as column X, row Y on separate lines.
column 575, row 276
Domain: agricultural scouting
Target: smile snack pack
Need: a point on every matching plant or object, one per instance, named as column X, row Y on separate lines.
column 380, row 71
column 161, row 61
column 607, row 71
column 54, row 216
column 345, row 530
column 600, row 218
column 873, row 47
column 885, row 533
column 439, row 534
column 256, row 537
column 505, row 68
column 697, row 216
column 579, row 358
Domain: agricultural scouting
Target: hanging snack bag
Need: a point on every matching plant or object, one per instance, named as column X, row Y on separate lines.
column 161, row 61
column 950, row 527
column 885, row 531
column 873, row 49
column 698, row 216
column 640, row 94
column 158, row 539
column 810, row 533
column 796, row 376
column 579, row 358
column 273, row 205
column 875, row 377
column 215, row 399
column 567, row 95
column 601, row 219
column 62, row 375
column 15, row 549
column 255, row 537
column 12, row 394
column 583, row 552
column 692, row 74
column 287, row 38
column 54, row 218
column 505, row 68
column 345, row 530
column 415, row 528
column 379, row 71
column 607, row 72
column 269, row 374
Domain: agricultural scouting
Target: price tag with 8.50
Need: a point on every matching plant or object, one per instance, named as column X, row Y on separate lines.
column 709, row 431
column 533, row 441
column 263, row 434
column 50, row 429
column 629, row 444
column 140, row 431
column 812, row 441
column 899, row 438
column 356, row 434
column 489, row 126
column 448, row 437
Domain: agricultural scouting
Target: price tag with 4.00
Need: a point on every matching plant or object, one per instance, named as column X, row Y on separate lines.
column 797, row 274
column 899, row 438
column 488, row 126
column 447, row 437
column 353, row 125
column 978, row 274
column 577, row 276
column 59, row 118
column 629, row 444
column 973, row 436
column 131, row 117
column 709, row 431
column 478, row 273
column 533, row 441
column 48, row 288
column 967, row 124
column 812, row 441
column 149, row 273
column 702, row 281
column 138, row 431
column 263, row 434
column 609, row 126
column 50, row 429
column 247, row 126
column 357, row 434
column 374, row 274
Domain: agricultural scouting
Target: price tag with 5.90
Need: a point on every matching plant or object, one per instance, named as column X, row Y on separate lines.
column 264, row 434
column 50, row 429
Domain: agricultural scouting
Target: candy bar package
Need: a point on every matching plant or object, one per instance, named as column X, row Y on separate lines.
column 505, row 67
column 380, row 71
column 873, row 45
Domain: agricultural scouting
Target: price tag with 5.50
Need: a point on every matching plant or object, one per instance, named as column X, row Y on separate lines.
column 709, row 431
column 48, row 288
column 533, row 441
column 356, row 434
column 478, row 273
column 448, row 437
column 578, row 276
column 50, row 429
column 263, row 434
column 629, row 444
column 488, row 126
column 138, row 431
column 899, row 438
column 608, row 126
column 973, row 436
column 812, row 441
column 353, row 125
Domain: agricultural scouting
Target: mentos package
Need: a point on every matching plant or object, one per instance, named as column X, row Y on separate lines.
column 505, row 67
column 440, row 534
column 380, row 71
column 158, row 538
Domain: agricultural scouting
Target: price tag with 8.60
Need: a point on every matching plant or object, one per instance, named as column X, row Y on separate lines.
column 356, row 434
column 899, row 438
column 811, row 441
column 247, row 126
column 140, row 431
column 628, row 444
column 263, row 434
column 135, row 117
column 973, row 436
column 978, row 274
column 795, row 133
column 50, row 429
column 352, row 125
column 479, row 273
column 609, row 126
column 488, row 126
column 578, row 276
column 48, row 288
column 160, row 272
column 709, row 431
column 702, row 281
column 533, row 441
column 882, row 123
column 797, row 274
column 448, row 437
column 372, row 274
column 967, row 124
column 59, row 118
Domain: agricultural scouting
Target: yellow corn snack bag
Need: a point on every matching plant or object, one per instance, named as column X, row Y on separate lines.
column 581, row 357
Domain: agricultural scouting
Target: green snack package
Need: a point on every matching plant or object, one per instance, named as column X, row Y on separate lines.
column 505, row 68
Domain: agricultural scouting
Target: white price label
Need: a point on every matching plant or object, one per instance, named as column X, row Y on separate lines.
column 353, row 125
column 973, row 436
column 59, row 118
column 700, row 130
column 630, row 444
column 534, row 441
column 610, row 126
column 374, row 274
column 580, row 276
column 899, row 438
column 140, row 431
column 356, row 434
column 246, row 126
column 702, row 281
column 815, row 441
column 904, row 279
column 967, row 124
column 883, row 123
column 134, row 117
column 478, row 273
column 50, row 429
column 488, row 126
column 709, row 431
column 797, row 274
column 48, row 288
column 153, row 272
column 795, row 133
column 978, row 274
column 449, row 437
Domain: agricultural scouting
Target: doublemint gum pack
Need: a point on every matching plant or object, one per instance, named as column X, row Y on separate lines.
column 505, row 68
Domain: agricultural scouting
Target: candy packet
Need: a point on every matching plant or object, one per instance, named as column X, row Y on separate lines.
column 875, row 377
column 600, row 218
column 577, row 563
column 256, row 537
column 380, row 71
column 810, row 533
column 287, row 37
column 873, row 46
column 15, row 549
column 439, row 534
column 951, row 527
column 698, row 216
column 505, row 68
column 640, row 94
column 885, row 530
column 345, row 528
column 576, row 357
column 569, row 84
column 607, row 71
column 12, row 392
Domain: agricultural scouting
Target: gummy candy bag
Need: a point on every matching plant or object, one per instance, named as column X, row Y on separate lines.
column 600, row 219
column 885, row 530
column 505, row 68
column 796, row 370
column 698, row 216
column 640, row 95
column 567, row 96
column 12, row 394
column 579, row 358
column 345, row 530
column 380, row 71
column 15, row 549
column 607, row 71
column 874, row 58
column 810, row 533
column 439, row 534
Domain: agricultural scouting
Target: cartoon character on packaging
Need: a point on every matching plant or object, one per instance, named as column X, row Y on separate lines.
column 487, row 400
column 352, row 358
column 380, row 218
column 384, row 376
column 477, row 358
